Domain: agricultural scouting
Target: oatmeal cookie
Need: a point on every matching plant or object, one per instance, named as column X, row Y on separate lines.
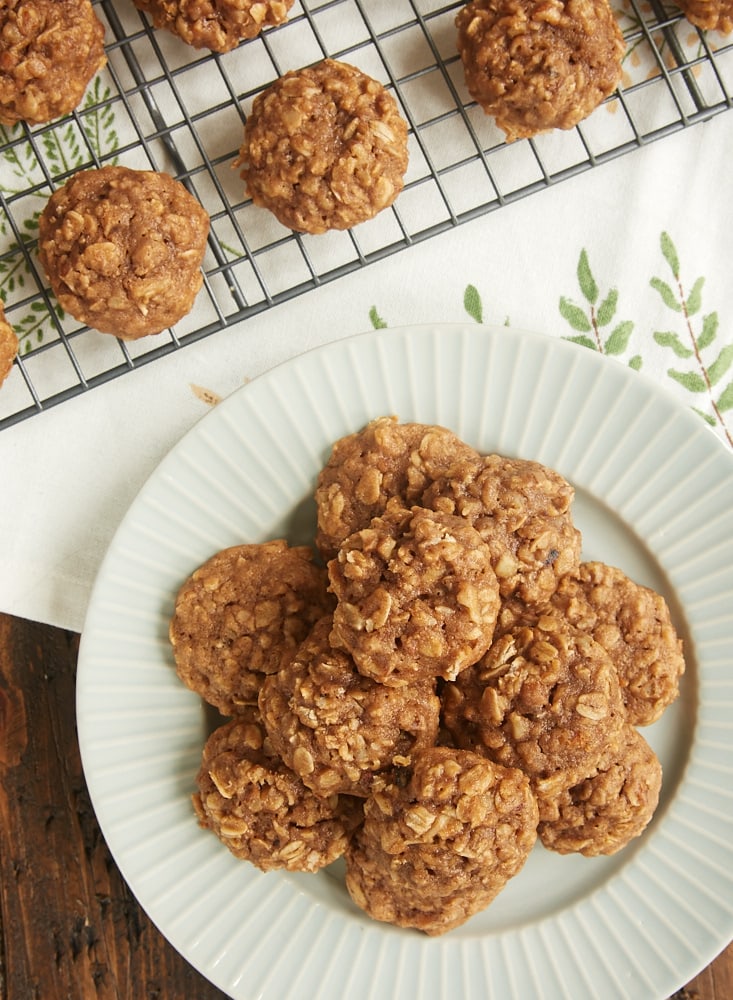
column 8, row 345
column 634, row 626
column 383, row 460
column 537, row 65
column 609, row 808
column 219, row 25
column 710, row 15
column 242, row 615
column 522, row 510
column 49, row 51
column 544, row 699
column 340, row 731
column 416, row 596
column 123, row 249
column 260, row 810
column 324, row 147
column 440, row 843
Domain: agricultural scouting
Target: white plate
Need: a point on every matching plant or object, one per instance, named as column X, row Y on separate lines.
column 654, row 496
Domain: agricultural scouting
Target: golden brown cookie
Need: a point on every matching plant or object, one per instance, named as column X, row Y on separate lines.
column 440, row 843
column 416, row 595
column 634, row 626
column 242, row 615
column 545, row 699
column 522, row 510
column 8, row 345
column 609, row 808
column 340, row 731
column 49, row 51
column 710, row 15
column 537, row 65
column 260, row 810
column 123, row 249
column 219, row 25
column 324, row 147
column 383, row 460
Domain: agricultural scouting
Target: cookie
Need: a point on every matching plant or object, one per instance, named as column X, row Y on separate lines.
column 611, row 806
column 438, row 844
column 339, row 731
column 242, row 615
column 634, row 626
column 523, row 512
column 50, row 50
column 219, row 25
column 544, row 699
column 324, row 147
column 260, row 810
column 8, row 345
column 384, row 460
column 122, row 249
column 538, row 65
column 709, row 15
column 416, row 594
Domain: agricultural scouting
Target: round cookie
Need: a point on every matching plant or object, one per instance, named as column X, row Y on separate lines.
column 634, row 626
column 340, row 731
column 416, row 595
column 544, row 699
column 609, row 808
column 122, row 249
column 8, row 345
column 260, row 810
column 383, row 460
column 709, row 15
column 537, row 65
column 324, row 147
column 522, row 510
column 439, row 844
column 242, row 615
column 50, row 50
column 219, row 25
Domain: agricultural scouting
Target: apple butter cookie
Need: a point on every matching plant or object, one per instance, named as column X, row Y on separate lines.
column 325, row 147
column 441, row 841
column 219, row 25
column 49, row 51
column 260, row 810
column 416, row 596
column 122, row 249
column 340, row 731
column 242, row 615
column 8, row 345
column 538, row 65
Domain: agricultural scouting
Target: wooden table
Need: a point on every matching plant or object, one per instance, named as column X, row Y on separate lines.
column 69, row 926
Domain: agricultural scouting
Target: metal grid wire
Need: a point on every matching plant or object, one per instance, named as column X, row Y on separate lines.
column 160, row 104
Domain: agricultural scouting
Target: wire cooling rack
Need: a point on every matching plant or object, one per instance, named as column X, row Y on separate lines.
column 160, row 104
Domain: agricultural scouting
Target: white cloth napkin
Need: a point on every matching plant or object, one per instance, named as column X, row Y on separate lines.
column 632, row 258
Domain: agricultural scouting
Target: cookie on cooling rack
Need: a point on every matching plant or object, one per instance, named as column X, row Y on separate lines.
column 219, row 25
column 49, row 51
column 710, row 15
column 562, row 60
column 324, row 147
column 123, row 249
column 8, row 345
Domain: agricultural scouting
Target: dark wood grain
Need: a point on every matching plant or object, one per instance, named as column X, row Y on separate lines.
column 70, row 929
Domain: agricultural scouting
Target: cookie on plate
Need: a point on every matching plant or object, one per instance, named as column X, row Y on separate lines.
column 242, row 615
column 538, row 65
column 49, row 51
column 219, row 25
column 262, row 811
column 324, row 147
column 8, row 345
column 441, row 841
column 122, row 249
